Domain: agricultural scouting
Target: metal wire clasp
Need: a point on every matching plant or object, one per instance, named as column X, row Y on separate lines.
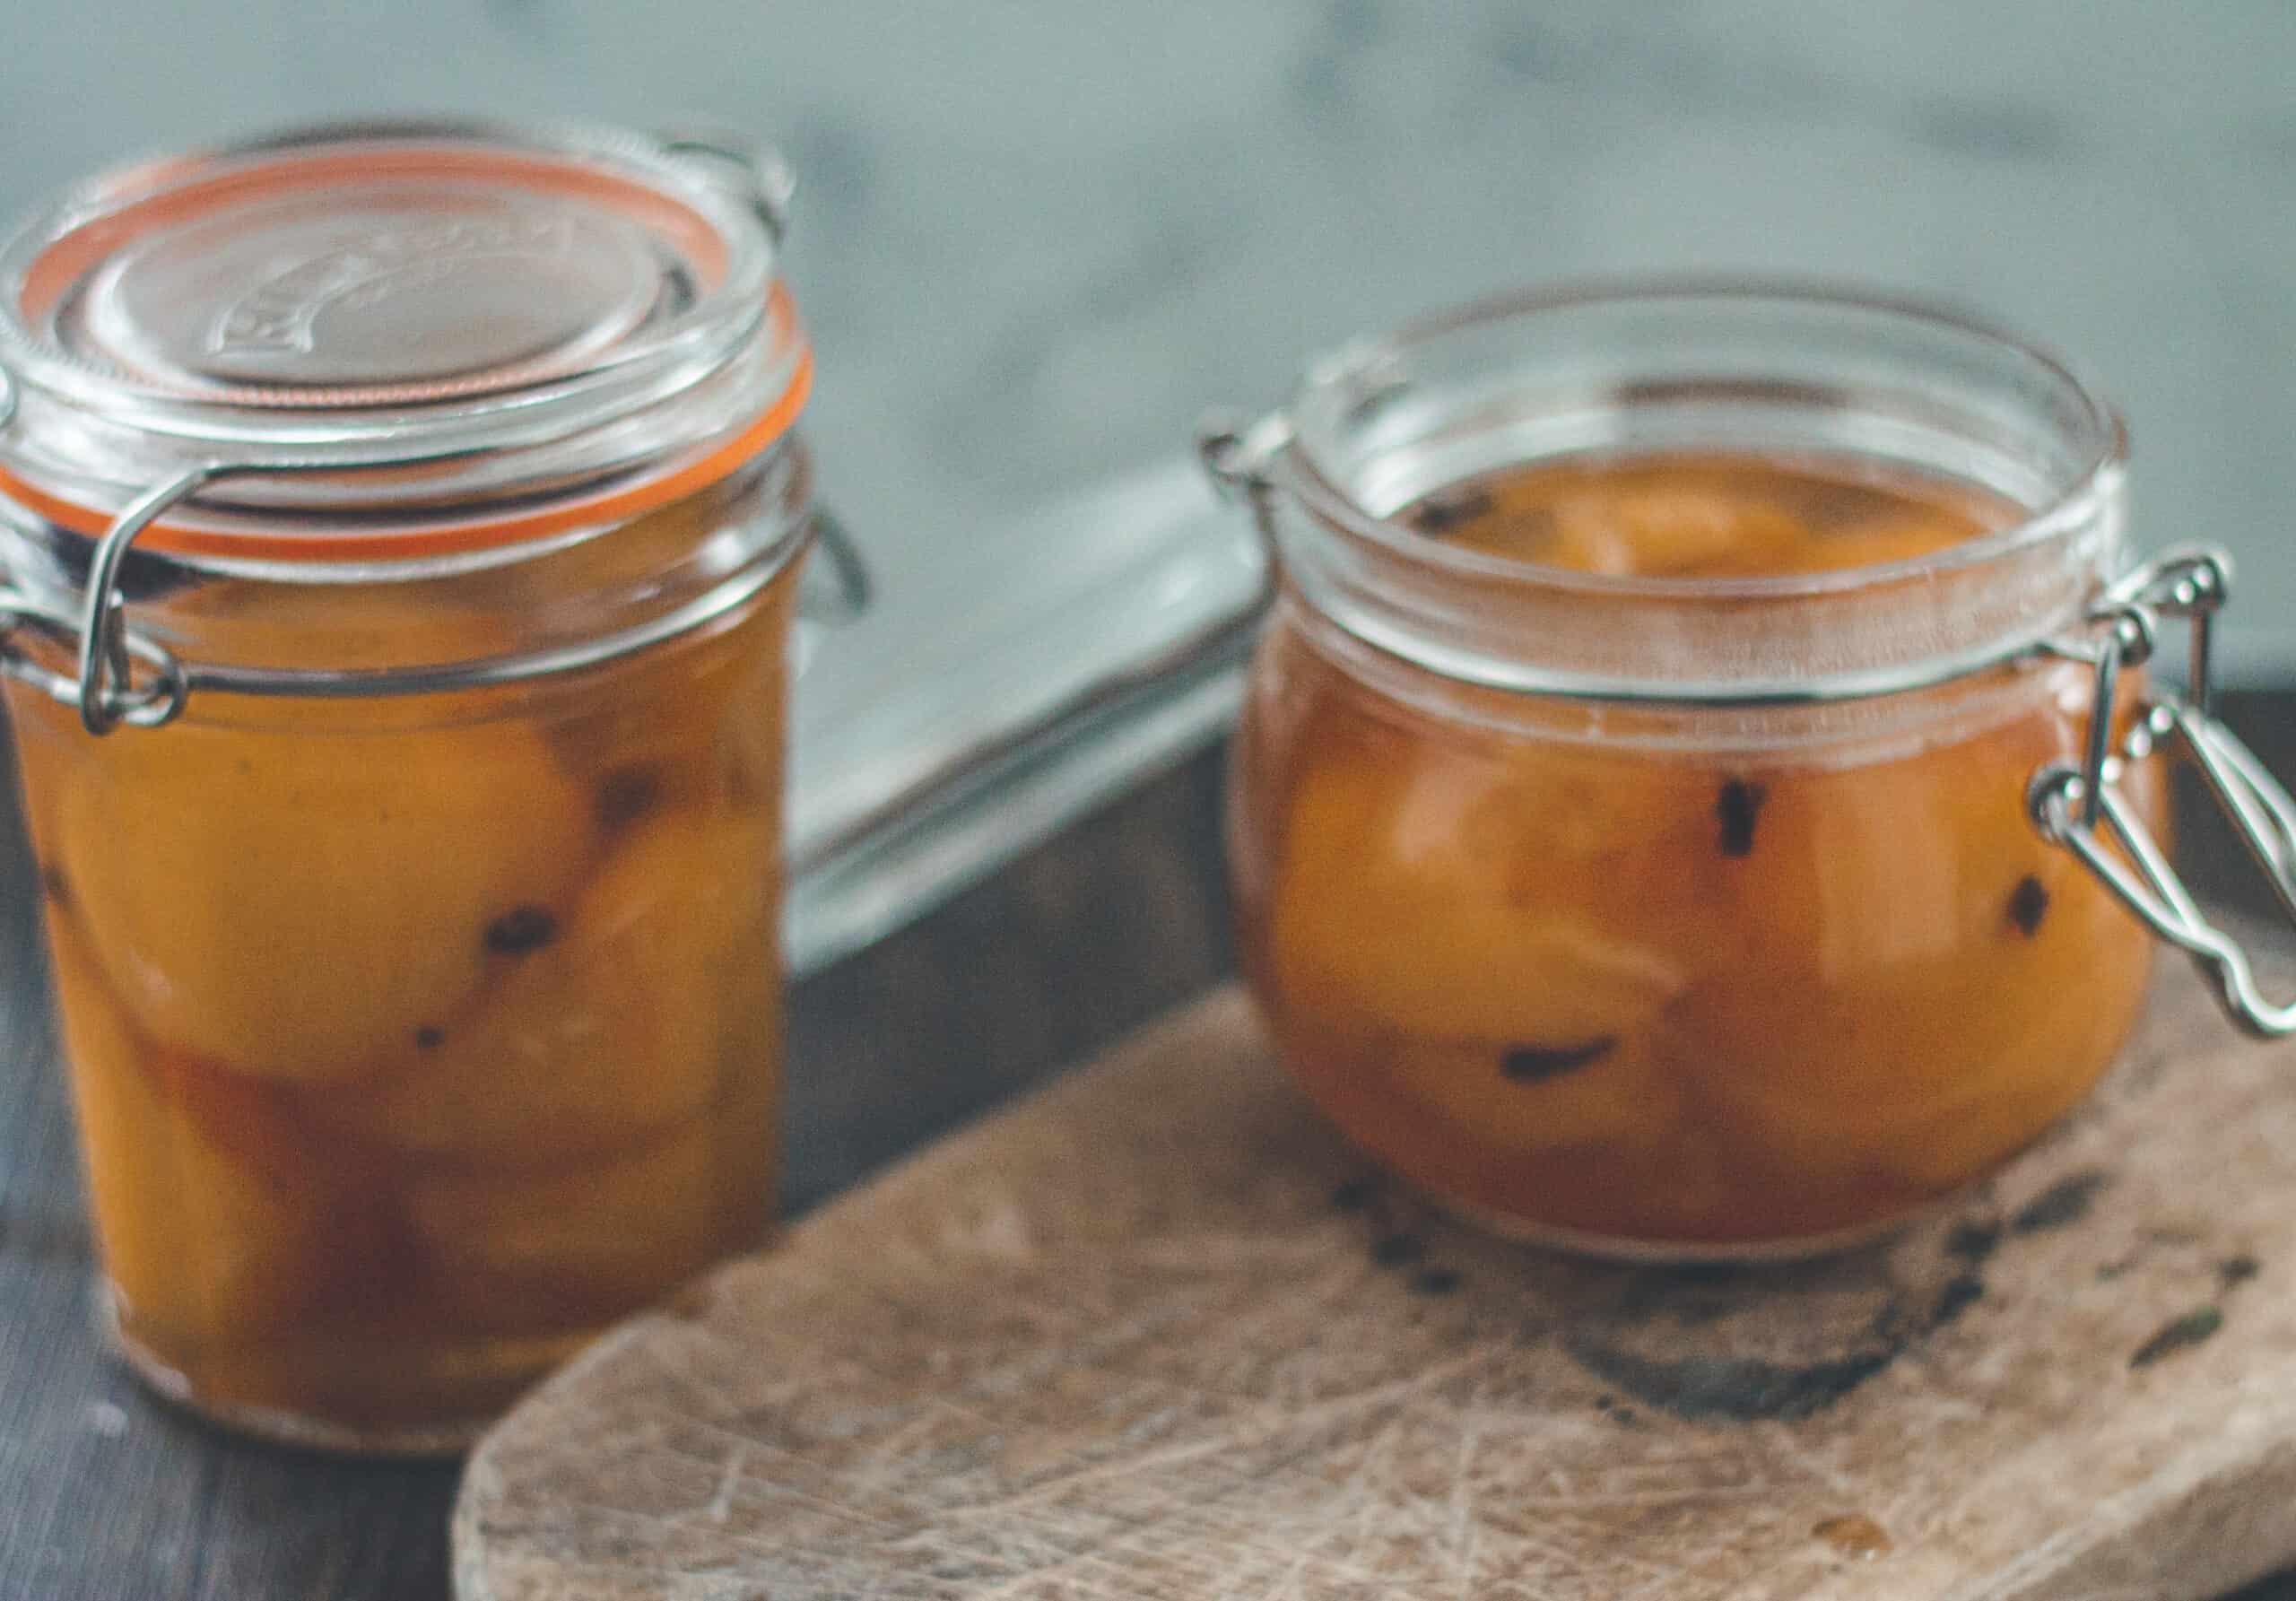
column 1239, row 456
column 2068, row 802
column 104, row 687
column 767, row 180
column 107, row 691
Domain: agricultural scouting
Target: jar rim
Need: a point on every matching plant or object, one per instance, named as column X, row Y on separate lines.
column 1779, row 368
column 2076, row 504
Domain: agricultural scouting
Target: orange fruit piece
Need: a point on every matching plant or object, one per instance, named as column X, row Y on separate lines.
column 214, row 1219
column 295, row 905
column 577, row 1245
column 1602, row 1089
column 1671, row 533
column 616, row 1027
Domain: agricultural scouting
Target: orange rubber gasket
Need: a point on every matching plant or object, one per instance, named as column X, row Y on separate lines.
column 694, row 473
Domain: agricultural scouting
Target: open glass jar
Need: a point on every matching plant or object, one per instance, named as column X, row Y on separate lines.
column 401, row 528
column 1706, row 915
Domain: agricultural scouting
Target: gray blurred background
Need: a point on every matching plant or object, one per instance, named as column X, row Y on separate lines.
column 1034, row 241
column 1036, row 238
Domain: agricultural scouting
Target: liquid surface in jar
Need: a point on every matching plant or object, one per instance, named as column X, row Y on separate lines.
column 412, row 1044
column 1675, row 993
column 1705, row 517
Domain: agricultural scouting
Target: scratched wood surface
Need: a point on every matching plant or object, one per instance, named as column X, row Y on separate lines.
column 112, row 1496
column 1155, row 1333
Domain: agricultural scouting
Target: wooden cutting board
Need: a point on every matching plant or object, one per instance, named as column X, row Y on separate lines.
column 1157, row 1334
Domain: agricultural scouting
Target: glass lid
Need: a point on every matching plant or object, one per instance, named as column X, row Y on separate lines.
column 500, row 309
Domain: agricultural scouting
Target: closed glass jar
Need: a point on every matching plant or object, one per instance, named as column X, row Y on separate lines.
column 409, row 825
column 1681, row 915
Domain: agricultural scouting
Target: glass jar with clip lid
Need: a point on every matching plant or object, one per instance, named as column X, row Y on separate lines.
column 1695, row 796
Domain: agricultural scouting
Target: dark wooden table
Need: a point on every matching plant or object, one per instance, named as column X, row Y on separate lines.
column 110, row 1496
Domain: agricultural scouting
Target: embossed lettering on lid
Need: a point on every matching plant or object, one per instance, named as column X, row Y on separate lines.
column 372, row 285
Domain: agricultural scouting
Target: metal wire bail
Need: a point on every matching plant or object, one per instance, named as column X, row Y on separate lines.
column 2068, row 804
column 852, row 588
column 104, row 687
column 1237, row 455
column 768, row 180
column 147, row 705
column 105, row 690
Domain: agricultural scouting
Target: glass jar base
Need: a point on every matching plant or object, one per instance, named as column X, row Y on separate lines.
column 1661, row 1253
column 435, row 1441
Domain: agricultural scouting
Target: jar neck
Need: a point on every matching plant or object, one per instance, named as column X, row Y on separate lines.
column 1510, row 626
column 705, row 557
column 1752, row 371
column 1849, row 732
